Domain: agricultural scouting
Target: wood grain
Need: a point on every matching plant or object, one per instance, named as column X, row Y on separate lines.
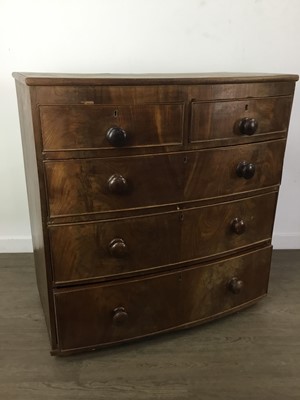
column 81, row 251
column 75, row 181
column 85, row 314
column 85, row 127
column 81, row 186
column 219, row 120
column 212, row 173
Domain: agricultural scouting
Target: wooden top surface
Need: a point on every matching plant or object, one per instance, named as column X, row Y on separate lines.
column 46, row 79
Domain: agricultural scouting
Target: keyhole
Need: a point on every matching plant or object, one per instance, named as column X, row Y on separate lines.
column 246, row 107
column 116, row 113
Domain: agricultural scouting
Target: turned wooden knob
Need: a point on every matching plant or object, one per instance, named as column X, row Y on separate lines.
column 120, row 316
column 235, row 285
column 238, row 226
column 117, row 184
column 117, row 137
column 117, row 248
column 245, row 170
column 248, row 126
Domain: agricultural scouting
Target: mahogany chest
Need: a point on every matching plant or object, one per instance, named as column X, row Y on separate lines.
column 152, row 198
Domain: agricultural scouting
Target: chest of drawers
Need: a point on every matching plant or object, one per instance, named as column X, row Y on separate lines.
column 152, row 198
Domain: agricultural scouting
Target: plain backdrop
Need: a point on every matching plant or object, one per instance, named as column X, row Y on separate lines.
column 142, row 36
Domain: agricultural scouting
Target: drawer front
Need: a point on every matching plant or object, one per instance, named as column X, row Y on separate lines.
column 104, row 249
column 236, row 169
column 239, row 119
column 100, row 185
column 110, row 313
column 71, row 127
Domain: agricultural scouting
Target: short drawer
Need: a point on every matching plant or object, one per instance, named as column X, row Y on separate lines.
column 240, row 119
column 84, row 127
column 99, row 184
column 110, row 248
column 233, row 169
column 110, row 313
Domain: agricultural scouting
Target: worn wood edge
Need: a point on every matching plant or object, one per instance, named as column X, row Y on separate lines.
column 222, row 201
column 259, row 137
column 69, row 352
column 174, row 267
column 46, row 79
column 79, row 288
column 163, row 154
column 48, row 152
column 238, row 99
column 147, row 208
column 157, row 209
column 172, row 147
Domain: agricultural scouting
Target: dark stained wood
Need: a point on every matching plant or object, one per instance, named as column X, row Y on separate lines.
column 85, row 127
column 133, row 151
column 158, row 303
column 139, row 94
column 219, row 120
column 128, row 214
column 36, row 208
column 83, row 186
column 126, row 95
column 160, row 208
column 213, row 173
column 149, row 94
column 84, row 251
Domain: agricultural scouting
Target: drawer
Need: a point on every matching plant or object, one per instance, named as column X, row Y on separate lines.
column 99, row 185
column 240, row 119
column 233, row 169
column 82, row 127
column 118, row 247
column 95, row 315
column 82, row 186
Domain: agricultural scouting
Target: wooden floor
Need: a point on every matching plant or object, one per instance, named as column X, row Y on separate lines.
column 254, row 354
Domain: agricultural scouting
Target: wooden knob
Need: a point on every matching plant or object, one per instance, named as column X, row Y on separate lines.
column 120, row 316
column 238, row 226
column 117, row 184
column 248, row 126
column 117, row 137
column 245, row 170
column 117, row 248
column 235, row 285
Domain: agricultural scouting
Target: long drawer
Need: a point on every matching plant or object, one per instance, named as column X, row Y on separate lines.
column 103, row 314
column 82, row 186
column 110, row 248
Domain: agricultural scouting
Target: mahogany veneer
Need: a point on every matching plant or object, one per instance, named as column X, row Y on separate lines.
column 152, row 198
